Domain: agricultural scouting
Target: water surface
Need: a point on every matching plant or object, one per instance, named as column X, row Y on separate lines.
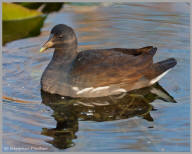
column 30, row 124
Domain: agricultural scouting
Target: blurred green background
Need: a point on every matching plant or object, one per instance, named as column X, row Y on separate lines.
column 21, row 20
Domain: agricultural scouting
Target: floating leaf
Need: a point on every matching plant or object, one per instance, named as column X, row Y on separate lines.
column 47, row 7
column 16, row 12
column 20, row 22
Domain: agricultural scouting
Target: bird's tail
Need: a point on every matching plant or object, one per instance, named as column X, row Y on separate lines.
column 161, row 68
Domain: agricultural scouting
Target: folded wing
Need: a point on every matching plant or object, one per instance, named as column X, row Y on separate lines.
column 104, row 67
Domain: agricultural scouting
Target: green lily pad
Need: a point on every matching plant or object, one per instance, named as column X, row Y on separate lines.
column 15, row 12
column 47, row 8
column 20, row 22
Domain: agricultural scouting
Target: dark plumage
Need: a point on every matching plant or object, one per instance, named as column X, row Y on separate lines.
column 98, row 72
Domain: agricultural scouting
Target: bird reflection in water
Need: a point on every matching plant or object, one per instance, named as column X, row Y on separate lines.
column 67, row 111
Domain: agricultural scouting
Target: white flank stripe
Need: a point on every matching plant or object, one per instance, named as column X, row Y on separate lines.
column 119, row 90
column 75, row 88
column 84, row 90
column 100, row 89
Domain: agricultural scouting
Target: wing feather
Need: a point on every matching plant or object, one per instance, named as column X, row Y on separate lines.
column 110, row 66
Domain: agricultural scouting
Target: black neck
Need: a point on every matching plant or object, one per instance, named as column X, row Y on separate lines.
column 65, row 53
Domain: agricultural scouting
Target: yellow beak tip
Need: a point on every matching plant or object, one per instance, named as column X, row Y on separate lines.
column 42, row 49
